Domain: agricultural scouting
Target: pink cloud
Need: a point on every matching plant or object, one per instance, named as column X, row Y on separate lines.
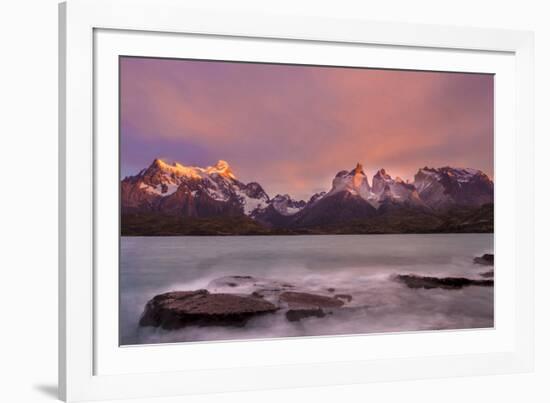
column 293, row 127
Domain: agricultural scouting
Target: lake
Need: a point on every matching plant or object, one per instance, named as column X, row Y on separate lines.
column 362, row 266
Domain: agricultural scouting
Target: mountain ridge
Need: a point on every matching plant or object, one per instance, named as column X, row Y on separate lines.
column 215, row 193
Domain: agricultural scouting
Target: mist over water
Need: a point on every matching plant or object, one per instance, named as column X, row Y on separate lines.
column 359, row 265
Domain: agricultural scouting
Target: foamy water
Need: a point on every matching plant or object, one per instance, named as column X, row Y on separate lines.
column 359, row 265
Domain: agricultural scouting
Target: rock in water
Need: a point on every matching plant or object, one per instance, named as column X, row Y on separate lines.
column 174, row 310
column 265, row 288
column 307, row 300
column 448, row 283
column 295, row 315
column 303, row 305
column 487, row 259
column 344, row 297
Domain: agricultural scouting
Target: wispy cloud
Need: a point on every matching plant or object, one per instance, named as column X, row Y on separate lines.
column 293, row 127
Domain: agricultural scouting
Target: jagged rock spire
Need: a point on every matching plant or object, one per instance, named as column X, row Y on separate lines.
column 358, row 169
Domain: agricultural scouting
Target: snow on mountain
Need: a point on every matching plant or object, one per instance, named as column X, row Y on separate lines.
column 286, row 206
column 316, row 197
column 216, row 191
column 447, row 186
column 354, row 182
column 252, row 197
column 221, row 168
column 279, row 211
column 175, row 187
column 351, row 198
column 433, row 187
column 388, row 189
column 380, row 180
column 176, row 172
column 384, row 187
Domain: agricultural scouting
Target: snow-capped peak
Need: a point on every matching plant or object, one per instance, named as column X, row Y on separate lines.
column 440, row 187
column 176, row 169
column 316, row 197
column 384, row 187
column 383, row 174
column 461, row 175
column 380, row 180
column 354, row 182
column 163, row 178
column 358, row 169
column 214, row 189
column 285, row 205
column 191, row 185
column 221, row 168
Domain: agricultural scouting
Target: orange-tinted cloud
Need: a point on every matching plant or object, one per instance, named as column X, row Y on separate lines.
column 291, row 128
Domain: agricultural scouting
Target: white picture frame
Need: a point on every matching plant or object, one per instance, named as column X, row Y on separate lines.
column 84, row 341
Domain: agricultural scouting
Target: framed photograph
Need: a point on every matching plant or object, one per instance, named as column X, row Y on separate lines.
column 255, row 201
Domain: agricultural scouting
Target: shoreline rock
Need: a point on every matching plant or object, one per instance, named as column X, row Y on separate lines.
column 303, row 305
column 177, row 309
column 307, row 300
column 487, row 259
column 447, row 283
column 233, row 300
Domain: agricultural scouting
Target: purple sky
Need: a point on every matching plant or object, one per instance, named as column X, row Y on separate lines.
column 292, row 128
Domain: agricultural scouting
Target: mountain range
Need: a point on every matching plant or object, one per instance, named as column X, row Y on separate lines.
column 174, row 199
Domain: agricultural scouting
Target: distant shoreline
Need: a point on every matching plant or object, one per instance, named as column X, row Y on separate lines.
column 298, row 235
column 458, row 221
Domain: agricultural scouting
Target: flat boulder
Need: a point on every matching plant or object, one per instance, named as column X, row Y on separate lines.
column 447, row 283
column 302, row 305
column 248, row 284
column 487, row 259
column 306, row 300
column 177, row 309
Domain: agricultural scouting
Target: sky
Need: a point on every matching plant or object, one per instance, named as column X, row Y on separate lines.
column 291, row 128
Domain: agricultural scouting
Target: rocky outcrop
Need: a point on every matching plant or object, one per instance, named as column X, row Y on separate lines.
column 174, row 310
column 447, row 283
column 394, row 191
column 303, row 305
column 233, row 300
column 187, row 191
column 487, row 259
column 447, row 186
column 174, row 199
column 268, row 289
column 306, row 300
column 334, row 210
column 344, row 297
